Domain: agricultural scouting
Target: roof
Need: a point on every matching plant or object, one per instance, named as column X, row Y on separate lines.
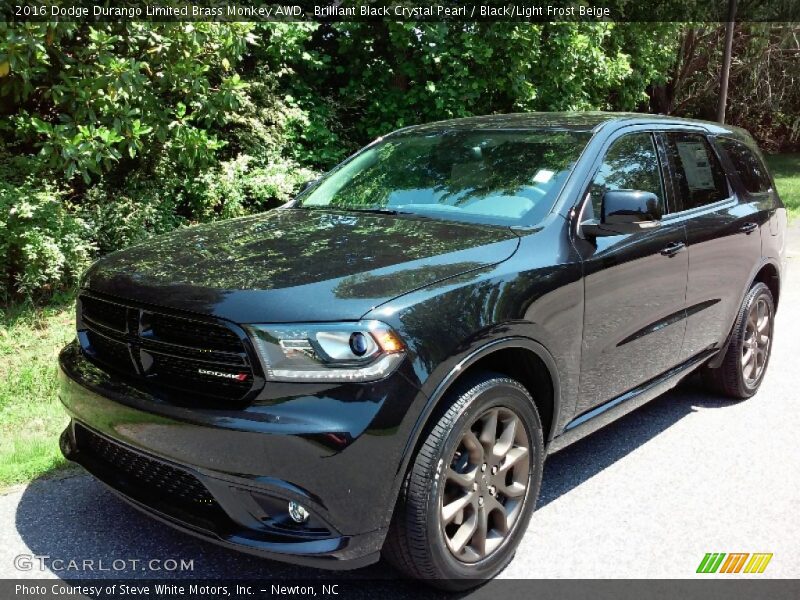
column 589, row 121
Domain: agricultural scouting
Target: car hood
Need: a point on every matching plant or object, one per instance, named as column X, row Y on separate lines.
column 294, row 265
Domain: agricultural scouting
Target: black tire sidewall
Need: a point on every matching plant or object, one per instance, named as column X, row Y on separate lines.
column 501, row 394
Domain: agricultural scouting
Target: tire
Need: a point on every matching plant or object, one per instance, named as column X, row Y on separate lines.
column 736, row 377
column 421, row 543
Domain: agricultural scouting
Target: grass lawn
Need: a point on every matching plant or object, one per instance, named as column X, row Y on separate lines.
column 31, row 416
column 785, row 168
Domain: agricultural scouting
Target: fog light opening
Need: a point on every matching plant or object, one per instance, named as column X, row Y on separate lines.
column 298, row 512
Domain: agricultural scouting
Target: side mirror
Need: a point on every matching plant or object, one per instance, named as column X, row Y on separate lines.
column 625, row 211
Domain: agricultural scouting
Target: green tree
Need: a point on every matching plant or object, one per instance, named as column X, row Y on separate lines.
column 132, row 129
column 376, row 77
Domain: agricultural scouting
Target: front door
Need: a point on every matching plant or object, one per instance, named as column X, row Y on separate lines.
column 635, row 284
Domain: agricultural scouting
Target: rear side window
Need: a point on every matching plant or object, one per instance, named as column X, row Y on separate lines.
column 748, row 165
column 697, row 173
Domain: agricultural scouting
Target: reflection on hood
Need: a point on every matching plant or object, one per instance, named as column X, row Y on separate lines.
column 319, row 255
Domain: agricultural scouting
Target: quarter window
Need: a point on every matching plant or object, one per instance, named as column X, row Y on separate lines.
column 697, row 173
column 631, row 163
column 748, row 165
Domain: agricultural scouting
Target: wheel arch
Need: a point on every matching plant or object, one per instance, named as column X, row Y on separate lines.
column 768, row 273
column 539, row 367
column 488, row 354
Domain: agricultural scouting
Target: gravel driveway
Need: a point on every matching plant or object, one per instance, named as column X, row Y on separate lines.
column 646, row 497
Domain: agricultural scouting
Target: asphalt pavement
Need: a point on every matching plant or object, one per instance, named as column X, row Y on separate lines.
column 646, row 497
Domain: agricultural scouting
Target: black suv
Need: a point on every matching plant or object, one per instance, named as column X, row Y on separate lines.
column 383, row 364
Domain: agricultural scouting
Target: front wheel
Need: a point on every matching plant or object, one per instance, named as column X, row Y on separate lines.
column 471, row 488
column 746, row 359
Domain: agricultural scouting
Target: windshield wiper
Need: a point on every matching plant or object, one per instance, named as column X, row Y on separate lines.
column 372, row 210
column 379, row 211
column 376, row 210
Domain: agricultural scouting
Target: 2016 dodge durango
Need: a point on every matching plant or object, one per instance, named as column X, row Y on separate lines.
column 383, row 364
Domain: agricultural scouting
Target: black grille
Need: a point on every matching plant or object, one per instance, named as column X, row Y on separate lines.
column 190, row 374
column 166, row 488
column 178, row 354
column 104, row 314
column 111, row 352
column 187, row 332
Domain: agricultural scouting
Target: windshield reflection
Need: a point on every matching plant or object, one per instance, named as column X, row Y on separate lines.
column 493, row 177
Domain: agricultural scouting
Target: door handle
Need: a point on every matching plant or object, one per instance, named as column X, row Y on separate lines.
column 672, row 249
column 748, row 228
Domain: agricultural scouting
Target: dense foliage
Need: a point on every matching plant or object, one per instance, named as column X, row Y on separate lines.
column 764, row 88
column 112, row 132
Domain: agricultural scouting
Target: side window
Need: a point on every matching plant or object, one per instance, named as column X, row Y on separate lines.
column 631, row 163
column 748, row 165
column 699, row 178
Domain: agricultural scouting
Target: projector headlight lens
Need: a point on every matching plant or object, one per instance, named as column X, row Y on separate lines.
column 335, row 352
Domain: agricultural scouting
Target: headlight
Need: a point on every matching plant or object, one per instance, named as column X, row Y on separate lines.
column 340, row 352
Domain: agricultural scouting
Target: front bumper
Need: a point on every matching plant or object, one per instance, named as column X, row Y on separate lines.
column 227, row 474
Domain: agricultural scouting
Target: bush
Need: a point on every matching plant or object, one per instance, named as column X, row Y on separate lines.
column 43, row 245
column 140, row 128
column 239, row 186
column 376, row 77
column 121, row 217
column 143, row 127
column 94, row 97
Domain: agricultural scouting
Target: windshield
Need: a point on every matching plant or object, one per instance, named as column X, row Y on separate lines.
column 495, row 177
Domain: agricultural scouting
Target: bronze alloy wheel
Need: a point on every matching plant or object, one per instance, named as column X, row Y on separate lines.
column 742, row 368
column 756, row 341
column 485, row 485
column 468, row 497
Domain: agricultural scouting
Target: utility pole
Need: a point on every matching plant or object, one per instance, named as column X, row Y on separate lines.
column 726, row 61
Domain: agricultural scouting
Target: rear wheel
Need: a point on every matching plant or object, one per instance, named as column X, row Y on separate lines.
column 471, row 488
column 746, row 359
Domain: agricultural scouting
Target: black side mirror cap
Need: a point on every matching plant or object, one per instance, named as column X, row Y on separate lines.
column 629, row 206
column 625, row 211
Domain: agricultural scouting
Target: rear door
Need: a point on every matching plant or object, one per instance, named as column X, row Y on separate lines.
column 723, row 235
column 635, row 284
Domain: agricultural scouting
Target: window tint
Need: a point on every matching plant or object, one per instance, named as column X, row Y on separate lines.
column 748, row 165
column 631, row 163
column 699, row 178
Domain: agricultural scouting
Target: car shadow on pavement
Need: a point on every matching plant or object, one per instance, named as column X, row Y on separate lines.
column 580, row 461
column 77, row 518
